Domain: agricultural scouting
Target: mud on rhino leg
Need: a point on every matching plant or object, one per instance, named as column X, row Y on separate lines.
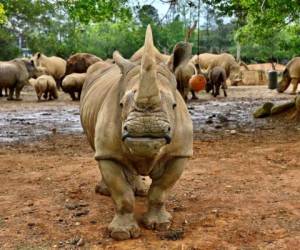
column 157, row 216
column 123, row 225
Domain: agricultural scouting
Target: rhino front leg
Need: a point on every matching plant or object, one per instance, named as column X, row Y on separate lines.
column 294, row 82
column 18, row 92
column 123, row 225
column 11, row 94
column 157, row 216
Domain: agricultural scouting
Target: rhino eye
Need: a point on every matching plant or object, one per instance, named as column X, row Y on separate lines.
column 174, row 105
column 121, row 104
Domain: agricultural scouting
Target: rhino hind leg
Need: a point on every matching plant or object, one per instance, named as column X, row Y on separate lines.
column 124, row 225
column 18, row 93
column 11, row 94
column 194, row 97
column 294, row 82
column 72, row 94
column 157, row 216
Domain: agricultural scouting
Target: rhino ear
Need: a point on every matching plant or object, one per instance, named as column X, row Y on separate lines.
column 124, row 64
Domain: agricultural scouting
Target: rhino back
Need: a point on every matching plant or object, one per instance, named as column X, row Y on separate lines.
column 98, row 87
column 8, row 74
column 56, row 66
column 293, row 67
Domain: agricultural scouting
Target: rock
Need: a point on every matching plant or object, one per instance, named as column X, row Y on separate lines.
column 281, row 108
column 218, row 126
column 222, row 118
column 209, row 121
column 232, row 132
column 264, row 110
column 80, row 242
column 173, row 234
column 81, row 212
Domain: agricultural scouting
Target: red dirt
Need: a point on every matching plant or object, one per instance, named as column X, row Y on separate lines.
column 241, row 192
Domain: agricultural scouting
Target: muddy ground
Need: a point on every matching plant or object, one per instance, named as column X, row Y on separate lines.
column 241, row 189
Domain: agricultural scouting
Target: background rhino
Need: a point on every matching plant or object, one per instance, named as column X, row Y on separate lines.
column 207, row 61
column 72, row 84
column 183, row 68
column 216, row 79
column 98, row 65
column 138, row 124
column 54, row 65
column 15, row 74
column 46, row 85
column 80, row 62
column 291, row 74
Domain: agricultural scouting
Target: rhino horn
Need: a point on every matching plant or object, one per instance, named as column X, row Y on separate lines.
column 148, row 92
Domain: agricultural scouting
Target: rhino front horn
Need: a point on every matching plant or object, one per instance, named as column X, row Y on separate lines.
column 148, row 91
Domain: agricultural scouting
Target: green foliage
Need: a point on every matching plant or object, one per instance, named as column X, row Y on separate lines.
column 98, row 10
column 2, row 14
column 8, row 43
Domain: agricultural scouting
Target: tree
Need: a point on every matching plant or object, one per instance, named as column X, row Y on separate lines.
column 148, row 15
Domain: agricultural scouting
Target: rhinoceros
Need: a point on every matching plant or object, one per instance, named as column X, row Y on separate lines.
column 138, row 125
column 291, row 74
column 15, row 74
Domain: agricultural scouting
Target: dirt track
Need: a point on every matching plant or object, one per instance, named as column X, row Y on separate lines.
column 240, row 190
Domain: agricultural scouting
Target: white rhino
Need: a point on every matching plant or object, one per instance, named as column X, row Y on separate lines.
column 54, row 65
column 138, row 124
column 291, row 74
column 45, row 84
column 73, row 83
column 208, row 61
column 15, row 74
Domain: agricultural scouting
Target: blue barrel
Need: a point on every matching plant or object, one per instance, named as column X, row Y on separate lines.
column 272, row 79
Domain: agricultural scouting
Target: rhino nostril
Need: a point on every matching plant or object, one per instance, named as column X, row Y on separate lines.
column 125, row 128
column 169, row 129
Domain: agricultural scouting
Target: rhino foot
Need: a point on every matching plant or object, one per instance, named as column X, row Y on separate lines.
column 101, row 188
column 18, row 99
column 123, row 227
column 158, row 219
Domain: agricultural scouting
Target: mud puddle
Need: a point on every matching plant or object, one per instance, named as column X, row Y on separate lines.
column 20, row 125
column 211, row 118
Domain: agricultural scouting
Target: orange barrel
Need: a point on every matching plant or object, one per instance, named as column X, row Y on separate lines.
column 197, row 82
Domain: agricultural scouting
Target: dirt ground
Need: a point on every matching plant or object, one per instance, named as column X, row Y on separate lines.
column 240, row 190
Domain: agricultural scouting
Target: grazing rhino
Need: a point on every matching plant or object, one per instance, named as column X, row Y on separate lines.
column 54, row 65
column 216, row 79
column 207, row 61
column 291, row 74
column 183, row 68
column 138, row 124
column 80, row 62
column 15, row 74
column 44, row 84
column 72, row 84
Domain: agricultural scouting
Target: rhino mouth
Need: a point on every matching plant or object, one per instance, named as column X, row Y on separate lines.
column 128, row 137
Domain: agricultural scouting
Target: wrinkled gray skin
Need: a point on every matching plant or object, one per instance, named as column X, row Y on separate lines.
column 138, row 124
column 15, row 74
column 216, row 79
